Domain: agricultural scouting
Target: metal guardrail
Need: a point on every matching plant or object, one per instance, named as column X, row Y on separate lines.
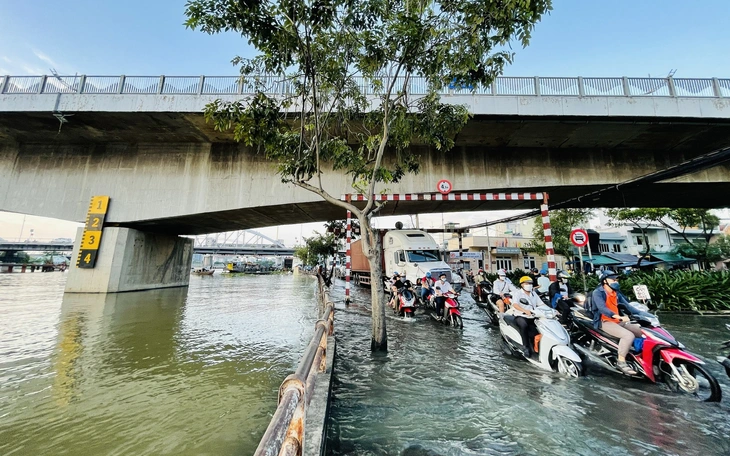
column 233, row 85
column 285, row 434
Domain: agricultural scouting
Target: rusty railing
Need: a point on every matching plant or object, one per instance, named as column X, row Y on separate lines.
column 285, row 434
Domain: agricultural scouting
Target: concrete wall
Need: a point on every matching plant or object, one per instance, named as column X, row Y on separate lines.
column 132, row 260
column 196, row 188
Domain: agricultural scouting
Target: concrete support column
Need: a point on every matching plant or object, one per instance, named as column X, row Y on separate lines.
column 132, row 260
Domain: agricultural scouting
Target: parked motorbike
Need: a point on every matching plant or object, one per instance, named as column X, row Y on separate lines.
column 452, row 315
column 725, row 361
column 658, row 356
column 552, row 343
column 406, row 303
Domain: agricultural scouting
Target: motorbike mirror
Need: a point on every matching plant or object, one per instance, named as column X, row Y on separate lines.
column 524, row 301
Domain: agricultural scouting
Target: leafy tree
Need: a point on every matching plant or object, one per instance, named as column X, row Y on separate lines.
column 14, row 257
column 562, row 222
column 343, row 71
column 316, row 249
column 723, row 244
column 677, row 221
column 641, row 218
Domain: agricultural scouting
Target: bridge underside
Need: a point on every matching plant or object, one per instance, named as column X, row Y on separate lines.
column 171, row 173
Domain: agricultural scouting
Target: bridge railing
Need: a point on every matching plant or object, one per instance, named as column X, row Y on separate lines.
column 285, row 434
column 503, row 85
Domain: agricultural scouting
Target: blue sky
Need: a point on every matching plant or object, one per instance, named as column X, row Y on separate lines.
column 135, row 37
column 579, row 37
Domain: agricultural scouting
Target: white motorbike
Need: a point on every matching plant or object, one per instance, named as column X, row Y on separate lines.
column 553, row 342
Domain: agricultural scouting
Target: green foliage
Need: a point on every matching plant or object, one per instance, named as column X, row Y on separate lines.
column 316, row 249
column 347, row 65
column 674, row 290
column 700, row 249
column 15, row 257
column 562, row 222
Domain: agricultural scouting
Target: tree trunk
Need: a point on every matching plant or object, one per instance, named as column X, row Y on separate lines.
column 379, row 341
column 371, row 247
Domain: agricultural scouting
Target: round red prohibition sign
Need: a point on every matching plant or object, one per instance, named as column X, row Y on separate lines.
column 443, row 186
column 579, row 237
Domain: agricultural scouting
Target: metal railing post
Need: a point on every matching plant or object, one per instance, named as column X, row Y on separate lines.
column 42, row 84
column 162, row 84
column 4, row 85
column 494, row 86
column 537, row 86
column 121, row 84
column 201, row 84
column 670, row 86
column 625, row 81
column 240, row 85
column 716, row 87
column 581, row 89
column 82, row 83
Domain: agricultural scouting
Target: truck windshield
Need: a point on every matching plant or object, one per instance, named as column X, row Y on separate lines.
column 420, row 256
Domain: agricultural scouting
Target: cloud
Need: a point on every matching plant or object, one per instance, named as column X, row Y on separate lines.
column 32, row 70
column 44, row 57
column 7, row 60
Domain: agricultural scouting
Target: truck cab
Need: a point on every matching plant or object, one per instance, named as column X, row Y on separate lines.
column 413, row 252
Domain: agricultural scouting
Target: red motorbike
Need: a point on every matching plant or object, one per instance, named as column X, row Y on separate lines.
column 406, row 303
column 452, row 315
column 657, row 356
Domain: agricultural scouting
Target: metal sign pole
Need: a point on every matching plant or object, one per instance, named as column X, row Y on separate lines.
column 582, row 271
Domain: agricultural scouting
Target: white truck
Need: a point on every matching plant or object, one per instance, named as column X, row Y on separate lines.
column 413, row 252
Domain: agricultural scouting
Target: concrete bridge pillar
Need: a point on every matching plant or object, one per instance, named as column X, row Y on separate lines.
column 132, row 260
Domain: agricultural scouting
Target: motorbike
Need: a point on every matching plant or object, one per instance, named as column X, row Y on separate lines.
column 552, row 343
column 406, row 303
column 725, row 361
column 657, row 356
column 480, row 293
column 452, row 315
column 491, row 309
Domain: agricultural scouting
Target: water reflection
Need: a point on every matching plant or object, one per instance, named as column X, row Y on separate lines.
column 173, row 371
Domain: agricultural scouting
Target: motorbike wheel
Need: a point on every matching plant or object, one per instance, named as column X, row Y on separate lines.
column 570, row 368
column 456, row 321
column 696, row 381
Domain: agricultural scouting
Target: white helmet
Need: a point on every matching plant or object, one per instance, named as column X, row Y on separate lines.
column 502, row 273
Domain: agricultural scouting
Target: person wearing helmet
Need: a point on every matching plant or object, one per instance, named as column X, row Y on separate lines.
column 543, row 282
column 560, row 292
column 524, row 302
column 500, row 287
column 442, row 288
column 606, row 298
column 480, row 276
column 426, row 287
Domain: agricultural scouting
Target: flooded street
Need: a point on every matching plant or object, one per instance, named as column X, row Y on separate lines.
column 196, row 371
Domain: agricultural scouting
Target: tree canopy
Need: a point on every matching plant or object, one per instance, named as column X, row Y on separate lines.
column 677, row 221
column 347, row 86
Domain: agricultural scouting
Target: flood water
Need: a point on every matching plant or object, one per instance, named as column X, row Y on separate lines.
column 184, row 371
column 195, row 371
column 443, row 391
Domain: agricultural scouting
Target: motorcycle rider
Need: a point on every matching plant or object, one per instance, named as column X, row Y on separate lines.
column 606, row 298
column 442, row 288
column 395, row 285
column 524, row 316
column 500, row 287
column 426, row 287
column 560, row 291
column 543, row 282
column 480, row 277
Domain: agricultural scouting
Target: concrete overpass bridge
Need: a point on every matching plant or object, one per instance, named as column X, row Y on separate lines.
column 143, row 141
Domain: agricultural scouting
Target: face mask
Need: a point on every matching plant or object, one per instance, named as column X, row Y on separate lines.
column 615, row 286
column 564, row 280
column 527, row 288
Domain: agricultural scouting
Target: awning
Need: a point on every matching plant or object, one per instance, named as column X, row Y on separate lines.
column 600, row 260
column 633, row 264
column 671, row 258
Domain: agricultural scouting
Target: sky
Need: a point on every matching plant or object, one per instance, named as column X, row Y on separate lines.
column 139, row 38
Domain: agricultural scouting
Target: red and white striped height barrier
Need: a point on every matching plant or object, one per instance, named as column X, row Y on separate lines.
column 550, row 252
column 448, row 197
column 348, row 239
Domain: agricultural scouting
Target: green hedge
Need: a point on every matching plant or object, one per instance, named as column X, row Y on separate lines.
column 675, row 290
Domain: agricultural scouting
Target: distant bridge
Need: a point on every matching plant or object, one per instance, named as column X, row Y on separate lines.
column 244, row 242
